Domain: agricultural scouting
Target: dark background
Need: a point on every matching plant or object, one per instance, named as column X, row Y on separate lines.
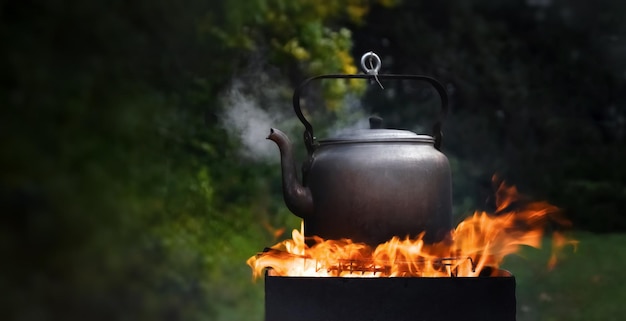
column 125, row 195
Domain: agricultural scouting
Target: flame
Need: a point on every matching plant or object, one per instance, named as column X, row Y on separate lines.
column 275, row 231
column 475, row 247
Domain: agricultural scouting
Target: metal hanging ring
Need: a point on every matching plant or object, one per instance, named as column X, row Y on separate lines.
column 374, row 63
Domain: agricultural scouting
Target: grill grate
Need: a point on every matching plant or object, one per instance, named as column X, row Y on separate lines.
column 447, row 264
column 356, row 267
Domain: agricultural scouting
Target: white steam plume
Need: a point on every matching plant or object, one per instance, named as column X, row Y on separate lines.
column 252, row 105
column 258, row 101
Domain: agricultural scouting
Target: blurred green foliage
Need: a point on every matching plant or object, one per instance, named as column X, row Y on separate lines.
column 124, row 197
column 586, row 284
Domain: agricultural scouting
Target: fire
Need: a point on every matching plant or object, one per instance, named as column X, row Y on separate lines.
column 475, row 247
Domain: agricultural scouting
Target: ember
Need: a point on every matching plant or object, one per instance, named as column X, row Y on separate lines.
column 475, row 247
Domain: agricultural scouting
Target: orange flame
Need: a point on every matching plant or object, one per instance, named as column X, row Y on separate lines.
column 475, row 247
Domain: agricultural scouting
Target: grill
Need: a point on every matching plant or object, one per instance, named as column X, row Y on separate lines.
column 394, row 299
column 365, row 294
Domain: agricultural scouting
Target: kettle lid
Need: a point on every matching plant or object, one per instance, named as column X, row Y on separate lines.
column 377, row 134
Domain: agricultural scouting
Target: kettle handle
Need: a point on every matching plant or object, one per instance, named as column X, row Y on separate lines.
column 309, row 138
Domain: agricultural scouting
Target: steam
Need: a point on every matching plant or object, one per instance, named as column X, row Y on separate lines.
column 353, row 117
column 258, row 101
column 252, row 105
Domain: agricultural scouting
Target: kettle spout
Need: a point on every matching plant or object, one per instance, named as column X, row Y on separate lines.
column 298, row 198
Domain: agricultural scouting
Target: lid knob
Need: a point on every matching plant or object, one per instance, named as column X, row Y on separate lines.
column 376, row 122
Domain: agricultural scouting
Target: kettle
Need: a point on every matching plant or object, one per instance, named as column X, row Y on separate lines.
column 371, row 184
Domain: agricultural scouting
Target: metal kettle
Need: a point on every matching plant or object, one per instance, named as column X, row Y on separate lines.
column 371, row 184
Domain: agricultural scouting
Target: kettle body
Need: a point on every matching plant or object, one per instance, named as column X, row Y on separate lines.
column 370, row 191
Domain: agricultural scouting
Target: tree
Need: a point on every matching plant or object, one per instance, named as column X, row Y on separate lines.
column 125, row 196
